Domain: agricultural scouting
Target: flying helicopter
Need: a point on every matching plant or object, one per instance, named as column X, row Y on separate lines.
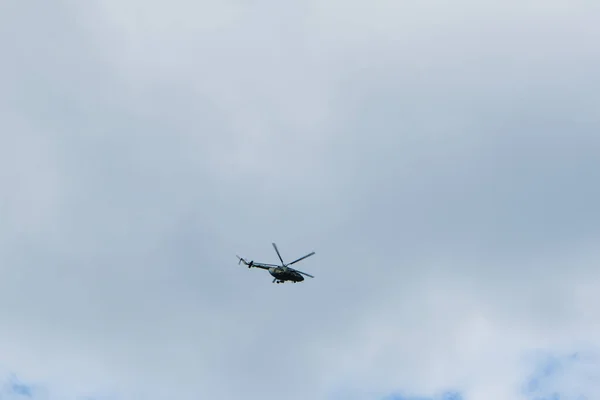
column 281, row 273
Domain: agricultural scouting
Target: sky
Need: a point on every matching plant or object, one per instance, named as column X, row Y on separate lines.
column 440, row 158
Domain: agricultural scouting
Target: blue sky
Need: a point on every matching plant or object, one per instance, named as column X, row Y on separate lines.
column 443, row 396
column 440, row 158
column 571, row 376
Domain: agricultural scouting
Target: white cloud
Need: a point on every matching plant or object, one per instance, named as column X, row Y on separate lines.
column 440, row 160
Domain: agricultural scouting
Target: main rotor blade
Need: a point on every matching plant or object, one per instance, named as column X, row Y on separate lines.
column 303, row 273
column 275, row 247
column 302, row 258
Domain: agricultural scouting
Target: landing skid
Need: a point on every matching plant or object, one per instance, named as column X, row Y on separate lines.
column 276, row 281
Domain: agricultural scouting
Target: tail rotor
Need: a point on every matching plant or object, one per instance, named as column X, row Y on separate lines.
column 249, row 264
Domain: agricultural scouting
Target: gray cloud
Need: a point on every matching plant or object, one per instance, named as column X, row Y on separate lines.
column 441, row 161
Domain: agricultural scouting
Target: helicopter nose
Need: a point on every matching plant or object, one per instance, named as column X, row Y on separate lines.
column 300, row 278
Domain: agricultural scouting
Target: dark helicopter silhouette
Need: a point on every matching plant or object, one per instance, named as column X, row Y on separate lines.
column 283, row 272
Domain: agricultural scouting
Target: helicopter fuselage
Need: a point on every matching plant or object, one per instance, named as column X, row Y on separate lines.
column 282, row 275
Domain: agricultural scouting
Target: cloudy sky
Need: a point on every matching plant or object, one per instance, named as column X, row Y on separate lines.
column 441, row 158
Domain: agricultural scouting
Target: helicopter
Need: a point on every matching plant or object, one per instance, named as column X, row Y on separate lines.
column 281, row 273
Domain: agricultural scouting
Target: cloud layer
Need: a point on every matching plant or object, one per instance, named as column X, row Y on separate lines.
column 441, row 160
